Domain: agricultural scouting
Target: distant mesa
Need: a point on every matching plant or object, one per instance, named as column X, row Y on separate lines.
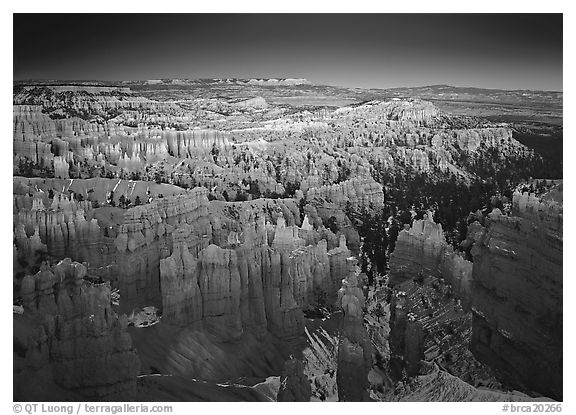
column 236, row 81
column 93, row 89
column 275, row 82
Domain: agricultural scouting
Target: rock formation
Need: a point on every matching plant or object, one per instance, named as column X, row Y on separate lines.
column 233, row 211
column 418, row 250
column 422, row 251
column 438, row 385
column 355, row 349
column 406, row 338
column 396, row 110
column 64, row 227
column 457, row 271
column 358, row 192
column 294, row 385
column 144, row 237
column 430, row 302
column 321, row 364
column 517, row 294
column 181, row 297
column 77, row 334
column 262, row 280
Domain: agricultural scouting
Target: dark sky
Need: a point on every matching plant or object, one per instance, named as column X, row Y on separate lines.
column 508, row 51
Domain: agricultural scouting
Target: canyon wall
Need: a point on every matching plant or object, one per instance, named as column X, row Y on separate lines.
column 430, row 302
column 260, row 280
column 358, row 192
column 64, row 228
column 74, row 332
column 513, row 287
column 517, row 294
column 422, row 251
column 245, row 266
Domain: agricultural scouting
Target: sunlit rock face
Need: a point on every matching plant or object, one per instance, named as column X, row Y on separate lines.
column 144, row 238
column 67, row 142
column 474, row 139
column 412, row 110
column 457, row 271
column 517, row 294
column 67, row 101
column 339, row 268
column 187, row 143
column 30, row 122
column 358, row 192
column 431, row 290
column 418, row 250
column 75, row 335
column 395, row 110
column 123, row 246
column 62, row 228
column 422, row 251
column 221, row 267
column 261, row 281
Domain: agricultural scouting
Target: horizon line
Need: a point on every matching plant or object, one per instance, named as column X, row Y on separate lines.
column 283, row 78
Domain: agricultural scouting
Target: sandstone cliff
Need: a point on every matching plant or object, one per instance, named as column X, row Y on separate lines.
column 74, row 332
column 517, row 294
column 396, row 110
column 418, row 251
column 261, row 281
column 145, row 236
column 422, row 251
column 64, row 227
column 430, row 303
column 358, row 192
